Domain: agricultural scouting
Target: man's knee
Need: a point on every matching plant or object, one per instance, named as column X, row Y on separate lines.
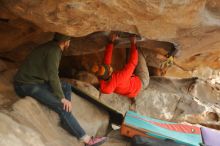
column 66, row 85
column 64, row 115
column 35, row 90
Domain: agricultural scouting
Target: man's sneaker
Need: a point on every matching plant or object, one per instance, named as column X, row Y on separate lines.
column 96, row 141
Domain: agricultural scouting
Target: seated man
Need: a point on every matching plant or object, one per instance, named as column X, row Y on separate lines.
column 38, row 78
column 123, row 82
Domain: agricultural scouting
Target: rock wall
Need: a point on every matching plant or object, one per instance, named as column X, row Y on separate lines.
column 181, row 100
column 15, row 134
column 192, row 25
column 7, row 94
column 190, row 100
column 30, row 123
column 81, row 18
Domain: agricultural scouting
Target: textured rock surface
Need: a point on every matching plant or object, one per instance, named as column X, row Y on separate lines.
column 193, row 25
column 7, row 94
column 121, row 103
column 28, row 109
column 29, row 123
column 115, row 139
column 81, row 18
column 15, row 134
column 85, row 87
column 191, row 99
column 3, row 66
column 174, row 101
column 43, row 125
column 94, row 120
column 180, row 100
column 18, row 33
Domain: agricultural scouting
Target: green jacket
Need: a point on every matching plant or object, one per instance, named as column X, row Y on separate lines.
column 41, row 66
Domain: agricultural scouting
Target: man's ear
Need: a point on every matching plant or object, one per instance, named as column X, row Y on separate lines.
column 61, row 43
column 68, row 42
column 65, row 43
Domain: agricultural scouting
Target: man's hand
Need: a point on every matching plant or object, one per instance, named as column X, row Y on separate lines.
column 133, row 40
column 67, row 106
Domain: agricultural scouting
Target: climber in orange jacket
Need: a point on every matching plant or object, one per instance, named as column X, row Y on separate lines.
column 124, row 81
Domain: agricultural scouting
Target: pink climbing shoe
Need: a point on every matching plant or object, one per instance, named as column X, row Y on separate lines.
column 96, row 141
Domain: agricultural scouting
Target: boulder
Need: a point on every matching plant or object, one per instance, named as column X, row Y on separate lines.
column 144, row 17
column 87, row 77
column 45, row 123
column 19, row 34
column 94, row 120
column 3, row 66
column 7, row 94
column 190, row 100
column 13, row 133
column 179, row 100
column 114, row 101
column 192, row 25
column 115, row 139
column 84, row 86
column 29, row 112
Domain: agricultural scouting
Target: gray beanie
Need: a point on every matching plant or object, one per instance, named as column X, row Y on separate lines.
column 61, row 37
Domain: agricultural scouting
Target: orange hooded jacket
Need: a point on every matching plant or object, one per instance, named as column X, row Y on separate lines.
column 122, row 82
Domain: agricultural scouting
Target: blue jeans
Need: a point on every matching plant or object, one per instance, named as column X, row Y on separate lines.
column 43, row 94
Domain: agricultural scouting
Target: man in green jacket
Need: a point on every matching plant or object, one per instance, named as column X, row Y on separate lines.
column 38, row 78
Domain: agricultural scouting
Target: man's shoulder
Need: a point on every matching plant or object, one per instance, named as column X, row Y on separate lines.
column 50, row 46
